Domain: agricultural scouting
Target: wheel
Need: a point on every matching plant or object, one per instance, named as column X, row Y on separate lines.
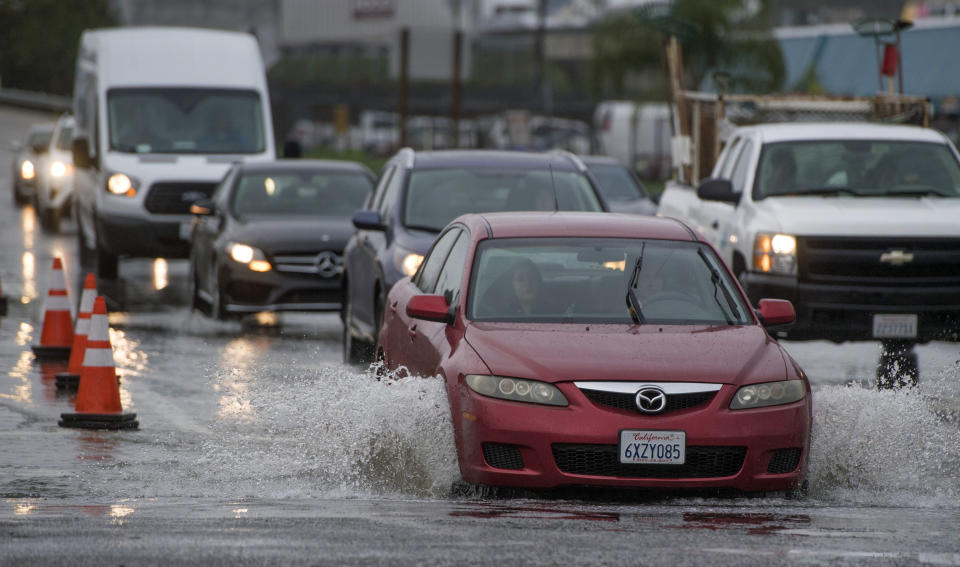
column 106, row 264
column 217, row 309
column 50, row 219
column 196, row 303
column 355, row 351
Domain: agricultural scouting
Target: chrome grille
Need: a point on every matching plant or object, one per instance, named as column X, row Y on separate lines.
column 857, row 261
column 325, row 264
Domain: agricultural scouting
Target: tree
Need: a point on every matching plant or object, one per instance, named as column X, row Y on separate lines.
column 38, row 41
column 725, row 35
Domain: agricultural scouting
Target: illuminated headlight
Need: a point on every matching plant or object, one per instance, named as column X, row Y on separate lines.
column 516, row 389
column 122, row 184
column 254, row 258
column 27, row 170
column 768, row 394
column 407, row 262
column 775, row 254
column 59, row 169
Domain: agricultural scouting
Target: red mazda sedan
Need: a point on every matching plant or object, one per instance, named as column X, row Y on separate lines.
column 603, row 350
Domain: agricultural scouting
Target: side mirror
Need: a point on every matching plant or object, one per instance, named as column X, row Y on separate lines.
column 203, row 207
column 430, row 308
column 777, row 313
column 81, row 153
column 718, row 190
column 368, row 220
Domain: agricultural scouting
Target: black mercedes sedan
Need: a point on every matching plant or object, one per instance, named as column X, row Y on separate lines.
column 271, row 236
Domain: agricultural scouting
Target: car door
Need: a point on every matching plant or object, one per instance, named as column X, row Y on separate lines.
column 408, row 339
column 362, row 270
column 713, row 218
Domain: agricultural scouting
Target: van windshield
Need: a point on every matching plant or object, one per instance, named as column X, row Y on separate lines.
column 185, row 121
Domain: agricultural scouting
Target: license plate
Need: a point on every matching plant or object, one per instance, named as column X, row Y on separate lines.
column 186, row 229
column 887, row 326
column 642, row 447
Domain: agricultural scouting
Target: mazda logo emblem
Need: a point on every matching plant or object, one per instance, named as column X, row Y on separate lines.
column 651, row 400
column 327, row 264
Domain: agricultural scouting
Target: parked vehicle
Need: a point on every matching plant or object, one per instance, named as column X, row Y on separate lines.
column 379, row 131
column 855, row 223
column 637, row 135
column 54, row 194
column 154, row 134
column 271, row 237
column 26, row 157
column 605, row 350
column 620, row 186
column 417, row 194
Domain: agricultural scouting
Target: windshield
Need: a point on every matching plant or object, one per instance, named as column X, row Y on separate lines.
column 586, row 280
column 65, row 139
column 40, row 139
column 337, row 193
column 437, row 196
column 185, row 121
column 616, row 183
column 861, row 168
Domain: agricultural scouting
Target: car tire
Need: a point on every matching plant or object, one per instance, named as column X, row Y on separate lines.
column 106, row 264
column 356, row 352
column 50, row 219
column 217, row 309
column 196, row 304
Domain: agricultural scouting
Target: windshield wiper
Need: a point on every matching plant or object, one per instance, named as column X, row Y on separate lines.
column 633, row 304
column 916, row 193
column 819, row 191
column 717, row 285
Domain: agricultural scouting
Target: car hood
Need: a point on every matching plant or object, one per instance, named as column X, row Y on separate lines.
column 560, row 353
column 862, row 216
column 294, row 233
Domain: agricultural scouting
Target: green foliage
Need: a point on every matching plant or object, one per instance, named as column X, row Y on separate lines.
column 38, row 41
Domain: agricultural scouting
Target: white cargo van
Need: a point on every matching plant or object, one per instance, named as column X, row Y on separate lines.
column 636, row 134
column 160, row 114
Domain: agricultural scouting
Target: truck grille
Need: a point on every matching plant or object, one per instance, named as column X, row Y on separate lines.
column 603, row 460
column 857, row 261
column 175, row 197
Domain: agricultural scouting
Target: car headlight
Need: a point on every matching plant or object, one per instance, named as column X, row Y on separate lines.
column 775, row 253
column 59, row 169
column 407, row 262
column 768, row 394
column 27, row 170
column 516, row 389
column 122, row 184
column 254, row 258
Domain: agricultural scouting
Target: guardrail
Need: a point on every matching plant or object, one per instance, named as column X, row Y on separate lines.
column 36, row 101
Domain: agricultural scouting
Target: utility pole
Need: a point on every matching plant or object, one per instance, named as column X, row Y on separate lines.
column 402, row 95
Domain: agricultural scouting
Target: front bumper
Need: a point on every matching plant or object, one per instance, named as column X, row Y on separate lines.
column 577, row 445
column 844, row 313
column 246, row 291
column 142, row 238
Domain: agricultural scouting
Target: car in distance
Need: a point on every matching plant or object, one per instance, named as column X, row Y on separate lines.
column 54, row 190
column 271, row 236
column 602, row 350
column 622, row 189
column 26, row 159
column 417, row 194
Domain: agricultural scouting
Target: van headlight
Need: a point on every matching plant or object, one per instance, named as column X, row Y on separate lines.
column 516, row 389
column 60, row 169
column 775, row 254
column 254, row 258
column 122, row 184
column 768, row 394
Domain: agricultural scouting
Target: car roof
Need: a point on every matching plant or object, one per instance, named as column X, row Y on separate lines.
column 495, row 158
column 599, row 160
column 303, row 165
column 600, row 225
column 804, row 131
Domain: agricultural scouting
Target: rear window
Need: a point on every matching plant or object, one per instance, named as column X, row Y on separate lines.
column 436, row 197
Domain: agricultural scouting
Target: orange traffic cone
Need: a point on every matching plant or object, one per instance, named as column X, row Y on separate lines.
column 71, row 378
column 98, row 397
column 57, row 335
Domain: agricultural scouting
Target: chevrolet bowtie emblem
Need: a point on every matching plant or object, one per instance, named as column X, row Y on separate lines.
column 896, row 257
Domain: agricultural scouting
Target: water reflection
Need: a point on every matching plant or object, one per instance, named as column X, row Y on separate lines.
column 754, row 523
column 234, row 386
column 29, row 278
column 22, row 391
column 119, row 512
column 160, row 274
column 28, row 220
column 96, row 447
column 23, row 507
column 537, row 513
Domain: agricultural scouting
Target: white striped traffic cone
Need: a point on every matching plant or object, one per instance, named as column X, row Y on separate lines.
column 71, row 378
column 56, row 338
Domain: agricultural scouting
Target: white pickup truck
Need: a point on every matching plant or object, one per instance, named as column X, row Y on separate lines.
column 857, row 224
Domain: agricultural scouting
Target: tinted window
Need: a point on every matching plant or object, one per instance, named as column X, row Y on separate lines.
column 337, row 193
column 388, row 201
column 616, row 183
column 185, row 121
column 448, row 283
column 873, row 168
column 426, row 277
column 65, row 139
column 742, row 168
column 40, row 139
column 380, row 189
column 585, row 280
column 437, row 196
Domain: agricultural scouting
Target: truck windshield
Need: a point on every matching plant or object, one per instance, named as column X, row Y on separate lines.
column 860, row 168
column 185, row 121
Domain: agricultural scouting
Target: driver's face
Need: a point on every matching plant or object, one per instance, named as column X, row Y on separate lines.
column 525, row 285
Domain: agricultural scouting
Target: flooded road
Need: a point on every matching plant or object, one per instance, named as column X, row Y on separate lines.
column 257, row 446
